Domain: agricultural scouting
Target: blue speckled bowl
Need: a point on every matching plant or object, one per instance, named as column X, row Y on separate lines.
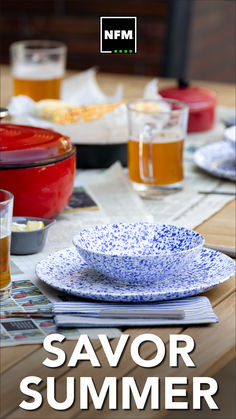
column 230, row 136
column 138, row 253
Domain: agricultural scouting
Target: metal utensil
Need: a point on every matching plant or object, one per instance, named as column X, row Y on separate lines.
column 216, row 193
column 146, row 314
column 106, row 313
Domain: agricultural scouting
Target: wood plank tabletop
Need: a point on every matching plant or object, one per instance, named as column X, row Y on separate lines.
column 214, row 344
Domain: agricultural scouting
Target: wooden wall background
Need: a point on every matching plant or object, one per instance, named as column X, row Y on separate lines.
column 199, row 44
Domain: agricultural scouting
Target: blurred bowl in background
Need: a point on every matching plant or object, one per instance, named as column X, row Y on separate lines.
column 100, row 156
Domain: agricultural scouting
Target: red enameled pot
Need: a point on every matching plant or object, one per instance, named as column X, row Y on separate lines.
column 38, row 167
column 201, row 103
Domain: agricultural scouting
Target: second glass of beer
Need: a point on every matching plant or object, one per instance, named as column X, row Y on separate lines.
column 157, row 129
column 38, row 68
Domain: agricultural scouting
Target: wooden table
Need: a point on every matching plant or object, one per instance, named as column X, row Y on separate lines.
column 214, row 343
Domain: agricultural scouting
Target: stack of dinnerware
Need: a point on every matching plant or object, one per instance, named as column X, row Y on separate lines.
column 135, row 262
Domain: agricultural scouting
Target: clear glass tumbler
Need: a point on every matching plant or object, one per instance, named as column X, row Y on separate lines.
column 38, row 68
column 6, row 207
column 157, row 129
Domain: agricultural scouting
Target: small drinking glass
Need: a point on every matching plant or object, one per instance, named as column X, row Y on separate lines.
column 157, row 129
column 38, row 68
column 6, row 207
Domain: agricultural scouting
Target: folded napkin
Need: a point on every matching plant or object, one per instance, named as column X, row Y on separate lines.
column 195, row 310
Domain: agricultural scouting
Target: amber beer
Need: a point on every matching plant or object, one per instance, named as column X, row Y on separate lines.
column 167, row 158
column 38, row 67
column 157, row 129
column 5, row 277
column 38, row 89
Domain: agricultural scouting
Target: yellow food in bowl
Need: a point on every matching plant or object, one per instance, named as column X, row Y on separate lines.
column 31, row 225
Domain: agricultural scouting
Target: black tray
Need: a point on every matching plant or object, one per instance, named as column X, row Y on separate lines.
column 95, row 156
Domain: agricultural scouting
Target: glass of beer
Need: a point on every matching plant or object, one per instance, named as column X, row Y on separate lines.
column 6, row 206
column 157, row 129
column 38, row 68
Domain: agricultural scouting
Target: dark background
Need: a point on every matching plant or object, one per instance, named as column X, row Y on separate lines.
column 193, row 38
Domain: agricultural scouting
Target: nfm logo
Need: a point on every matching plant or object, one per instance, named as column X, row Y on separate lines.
column 118, row 35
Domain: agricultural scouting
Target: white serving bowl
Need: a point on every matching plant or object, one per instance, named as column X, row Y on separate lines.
column 138, row 253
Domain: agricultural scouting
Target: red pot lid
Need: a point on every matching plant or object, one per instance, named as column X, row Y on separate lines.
column 197, row 98
column 24, row 146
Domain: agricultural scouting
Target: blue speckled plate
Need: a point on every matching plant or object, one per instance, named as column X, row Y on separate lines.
column 218, row 159
column 66, row 271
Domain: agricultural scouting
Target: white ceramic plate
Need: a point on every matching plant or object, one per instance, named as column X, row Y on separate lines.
column 67, row 272
column 217, row 159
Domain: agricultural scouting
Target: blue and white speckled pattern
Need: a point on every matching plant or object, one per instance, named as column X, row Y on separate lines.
column 218, row 159
column 137, row 253
column 230, row 136
column 66, row 271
